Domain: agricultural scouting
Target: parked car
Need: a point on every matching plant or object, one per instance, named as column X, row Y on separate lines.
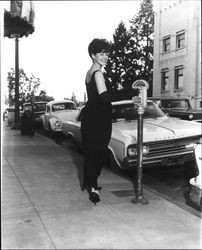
column 10, row 115
column 38, row 108
column 178, row 107
column 195, row 194
column 166, row 140
column 57, row 112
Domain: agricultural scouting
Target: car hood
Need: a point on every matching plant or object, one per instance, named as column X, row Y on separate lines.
column 164, row 128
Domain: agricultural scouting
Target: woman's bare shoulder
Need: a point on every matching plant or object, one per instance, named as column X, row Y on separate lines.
column 91, row 72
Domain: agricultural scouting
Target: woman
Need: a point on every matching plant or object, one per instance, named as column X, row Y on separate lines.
column 96, row 125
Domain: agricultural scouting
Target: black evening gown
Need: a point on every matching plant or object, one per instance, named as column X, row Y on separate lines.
column 96, row 128
column 96, row 123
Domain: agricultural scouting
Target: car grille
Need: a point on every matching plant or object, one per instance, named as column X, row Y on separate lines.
column 176, row 147
column 167, row 153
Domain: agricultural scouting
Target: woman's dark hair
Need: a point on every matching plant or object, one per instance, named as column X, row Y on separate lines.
column 98, row 45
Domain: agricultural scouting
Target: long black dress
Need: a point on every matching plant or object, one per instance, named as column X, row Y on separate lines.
column 96, row 127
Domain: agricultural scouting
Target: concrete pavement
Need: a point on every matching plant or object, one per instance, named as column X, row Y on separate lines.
column 43, row 207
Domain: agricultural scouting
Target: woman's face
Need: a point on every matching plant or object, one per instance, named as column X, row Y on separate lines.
column 101, row 58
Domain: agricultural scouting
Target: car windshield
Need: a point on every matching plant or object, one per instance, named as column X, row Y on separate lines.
column 63, row 106
column 177, row 104
column 38, row 107
column 128, row 112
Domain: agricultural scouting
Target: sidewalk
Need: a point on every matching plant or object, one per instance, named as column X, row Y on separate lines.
column 43, row 207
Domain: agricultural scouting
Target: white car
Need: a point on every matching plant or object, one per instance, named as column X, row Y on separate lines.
column 166, row 140
column 56, row 113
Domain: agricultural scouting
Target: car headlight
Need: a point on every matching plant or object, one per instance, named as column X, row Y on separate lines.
column 191, row 116
column 132, row 151
column 145, row 150
column 58, row 123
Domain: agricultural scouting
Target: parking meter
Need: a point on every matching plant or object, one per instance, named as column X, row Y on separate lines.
column 140, row 103
column 141, row 100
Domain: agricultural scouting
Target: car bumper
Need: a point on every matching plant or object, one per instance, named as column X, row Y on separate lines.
column 57, row 130
column 169, row 160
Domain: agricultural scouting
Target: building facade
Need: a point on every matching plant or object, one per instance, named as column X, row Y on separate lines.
column 177, row 50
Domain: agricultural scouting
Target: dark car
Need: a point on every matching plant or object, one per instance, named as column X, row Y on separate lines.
column 178, row 107
column 38, row 108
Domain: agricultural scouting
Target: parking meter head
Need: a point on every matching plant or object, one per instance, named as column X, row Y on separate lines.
column 142, row 85
column 138, row 84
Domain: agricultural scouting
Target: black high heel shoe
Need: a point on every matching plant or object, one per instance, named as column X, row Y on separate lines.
column 87, row 187
column 94, row 197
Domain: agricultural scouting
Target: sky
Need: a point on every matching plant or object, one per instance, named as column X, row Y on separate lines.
column 57, row 51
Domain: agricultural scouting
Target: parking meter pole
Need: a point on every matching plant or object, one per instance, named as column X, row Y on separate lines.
column 140, row 105
column 140, row 141
column 139, row 198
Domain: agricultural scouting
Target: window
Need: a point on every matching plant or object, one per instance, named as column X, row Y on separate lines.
column 176, row 104
column 166, row 44
column 164, row 80
column 39, row 107
column 63, row 106
column 180, row 40
column 127, row 112
column 178, row 84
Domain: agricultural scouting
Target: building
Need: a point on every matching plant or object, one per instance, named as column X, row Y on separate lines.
column 177, row 50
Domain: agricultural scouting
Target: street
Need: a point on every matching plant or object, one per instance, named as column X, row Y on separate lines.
column 172, row 182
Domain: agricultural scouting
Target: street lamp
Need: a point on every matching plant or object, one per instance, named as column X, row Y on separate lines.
column 17, row 26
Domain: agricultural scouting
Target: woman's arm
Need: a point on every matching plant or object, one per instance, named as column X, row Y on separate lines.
column 100, row 82
column 106, row 96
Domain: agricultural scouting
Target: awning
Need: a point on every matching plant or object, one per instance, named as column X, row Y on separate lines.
column 20, row 19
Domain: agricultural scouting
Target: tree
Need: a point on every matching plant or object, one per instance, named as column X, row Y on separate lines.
column 27, row 87
column 119, row 62
column 131, row 57
column 142, row 35
column 74, row 99
column 43, row 97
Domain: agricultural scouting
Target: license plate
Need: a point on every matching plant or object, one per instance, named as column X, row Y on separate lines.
column 173, row 161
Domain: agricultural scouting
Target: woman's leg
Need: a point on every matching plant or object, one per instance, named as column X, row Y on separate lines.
column 93, row 162
column 91, row 167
